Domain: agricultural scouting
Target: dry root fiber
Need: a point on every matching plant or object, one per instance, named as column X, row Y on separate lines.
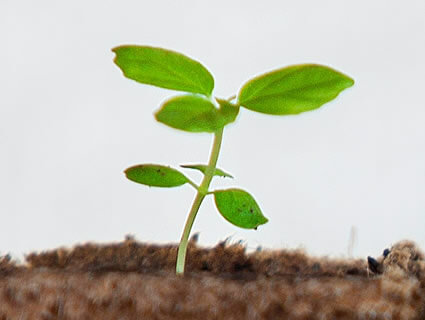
column 131, row 280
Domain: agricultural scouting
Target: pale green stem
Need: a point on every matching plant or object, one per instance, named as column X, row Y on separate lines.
column 193, row 184
column 200, row 195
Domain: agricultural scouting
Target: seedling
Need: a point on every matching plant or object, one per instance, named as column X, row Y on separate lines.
column 285, row 91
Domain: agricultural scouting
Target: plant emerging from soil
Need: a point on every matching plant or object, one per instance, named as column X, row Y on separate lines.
column 286, row 91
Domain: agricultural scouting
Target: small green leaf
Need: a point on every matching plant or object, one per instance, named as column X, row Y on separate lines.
column 203, row 167
column 156, row 176
column 163, row 68
column 293, row 89
column 190, row 113
column 228, row 111
column 239, row 208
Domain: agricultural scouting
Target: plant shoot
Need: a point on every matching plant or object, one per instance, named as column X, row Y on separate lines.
column 286, row 91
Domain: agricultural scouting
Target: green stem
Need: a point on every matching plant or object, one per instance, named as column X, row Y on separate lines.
column 200, row 195
column 193, row 184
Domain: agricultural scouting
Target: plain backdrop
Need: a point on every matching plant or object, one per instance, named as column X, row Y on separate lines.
column 70, row 123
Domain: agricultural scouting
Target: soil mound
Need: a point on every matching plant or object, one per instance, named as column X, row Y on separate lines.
column 132, row 280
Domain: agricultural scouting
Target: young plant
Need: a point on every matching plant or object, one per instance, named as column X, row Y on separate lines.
column 285, row 91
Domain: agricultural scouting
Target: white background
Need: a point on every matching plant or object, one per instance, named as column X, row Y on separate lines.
column 70, row 123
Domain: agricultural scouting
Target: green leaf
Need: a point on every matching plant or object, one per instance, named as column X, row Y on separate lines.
column 163, row 68
column 239, row 208
column 228, row 111
column 293, row 90
column 156, row 175
column 190, row 113
column 203, row 167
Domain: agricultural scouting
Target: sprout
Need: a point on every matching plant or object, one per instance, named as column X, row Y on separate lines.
column 286, row 91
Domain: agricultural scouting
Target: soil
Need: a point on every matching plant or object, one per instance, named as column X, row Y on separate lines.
column 133, row 280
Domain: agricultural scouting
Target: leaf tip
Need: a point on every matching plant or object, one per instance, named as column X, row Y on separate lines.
column 349, row 82
column 116, row 50
column 156, row 115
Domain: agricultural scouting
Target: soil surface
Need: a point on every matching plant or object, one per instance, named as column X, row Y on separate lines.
column 132, row 280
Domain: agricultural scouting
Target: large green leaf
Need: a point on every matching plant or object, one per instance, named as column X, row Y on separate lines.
column 203, row 168
column 190, row 113
column 239, row 208
column 293, row 90
column 163, row 68
column 155, row 175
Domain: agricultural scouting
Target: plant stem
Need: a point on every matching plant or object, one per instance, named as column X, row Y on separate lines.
column 200, row 195
column 193, row 184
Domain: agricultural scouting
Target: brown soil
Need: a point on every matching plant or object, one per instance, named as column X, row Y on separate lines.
column 132, row 280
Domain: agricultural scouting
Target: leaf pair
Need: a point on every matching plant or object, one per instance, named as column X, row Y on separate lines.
column 235, row 205
column 285, row 91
